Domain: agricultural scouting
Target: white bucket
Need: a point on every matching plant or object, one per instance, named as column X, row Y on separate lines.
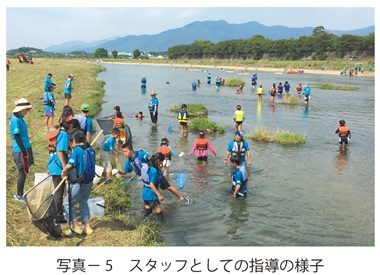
column 38, row 177
column 99, row 171
column 96, row 206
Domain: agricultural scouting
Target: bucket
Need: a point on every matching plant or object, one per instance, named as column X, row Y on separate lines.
column 96, row 206
column 181, row 180
column 38, row 177
column 99, row 171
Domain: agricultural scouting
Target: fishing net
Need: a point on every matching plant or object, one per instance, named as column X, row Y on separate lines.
column 41, row 210
column 107, row 125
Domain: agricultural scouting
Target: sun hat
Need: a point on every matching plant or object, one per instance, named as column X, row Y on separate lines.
column 153, row 93
column 21, row 104
column 85, row 107
column 239, row 133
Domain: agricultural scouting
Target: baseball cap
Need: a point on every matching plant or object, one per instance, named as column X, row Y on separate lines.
column 239, row 133
column 85, row 107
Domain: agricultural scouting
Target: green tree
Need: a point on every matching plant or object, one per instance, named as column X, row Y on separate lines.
column 136, row 53
column 318, row 30
column 114, row 53
column 101, row 52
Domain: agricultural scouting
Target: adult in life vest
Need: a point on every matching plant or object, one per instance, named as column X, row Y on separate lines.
column 167, row 151
column 239, row 118
column 306, row 92
column 201, row 145
column 343, row 132
column 135, row 161
column 239, row 148
column 183, row 119
column 239, row 178
column 143, row 82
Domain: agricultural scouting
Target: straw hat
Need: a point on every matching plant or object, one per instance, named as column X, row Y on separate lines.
column 21, row 104
column 153, row 93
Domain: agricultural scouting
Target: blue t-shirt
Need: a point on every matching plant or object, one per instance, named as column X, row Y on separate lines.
column 194, row 86
column 109, row 145
column 208, row 78
column 54, row 164
column 231, row 146
column 49, row 97
column 17, row 125
column 287, row 87
column 68, row 86
column 47, row 83
column 306, row 90
column 153, row 103
column 76, row 159
column 143, row 81
column 155, row 178
column 238, row 179
column 138, row 158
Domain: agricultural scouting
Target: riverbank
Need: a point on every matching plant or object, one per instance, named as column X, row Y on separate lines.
column 249, row 69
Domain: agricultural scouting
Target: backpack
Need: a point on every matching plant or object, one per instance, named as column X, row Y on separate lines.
column 82, row 121
column 88, row 173
column 52, row 139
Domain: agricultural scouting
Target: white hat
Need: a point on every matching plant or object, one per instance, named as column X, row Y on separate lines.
column 21, row 104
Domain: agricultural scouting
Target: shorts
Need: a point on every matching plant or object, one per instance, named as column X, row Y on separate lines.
column 164, row 184
column 183, row 123
column 17, row 157
column 166, row 163
column 67, row 96
column 204, row 158
column 238, row 122
column 106, row 160
column 49, row 113
column 152, row 204
column 306, row 98
column 343, row 140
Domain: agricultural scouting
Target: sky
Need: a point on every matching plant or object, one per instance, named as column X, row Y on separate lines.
column 41, row 27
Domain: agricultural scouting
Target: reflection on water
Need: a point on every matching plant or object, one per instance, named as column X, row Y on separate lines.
column 309, row 194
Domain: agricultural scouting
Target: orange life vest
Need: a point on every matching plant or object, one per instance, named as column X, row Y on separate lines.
column 343, row 131
column 299, row 88
column 165, row 150
column 118, row 122
column 201, row 143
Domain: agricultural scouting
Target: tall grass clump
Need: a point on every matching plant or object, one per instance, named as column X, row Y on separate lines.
column 279, row 136
column 291, row 99
column 339, row 88
column 205, row 125
column 234, row 82
column 193, row 110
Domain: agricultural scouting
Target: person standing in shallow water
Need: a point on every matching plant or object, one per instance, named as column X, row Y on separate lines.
column 344, row 133
column 21, row 148
column 153, row 108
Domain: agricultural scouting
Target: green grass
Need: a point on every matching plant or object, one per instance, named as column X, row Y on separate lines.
column 291, row 100
column 283, row 137
column 205, row 125
column 339, row 88
column 233, row 82
column 193, row 110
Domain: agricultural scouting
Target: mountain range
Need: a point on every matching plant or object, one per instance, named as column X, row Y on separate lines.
column 214, row 31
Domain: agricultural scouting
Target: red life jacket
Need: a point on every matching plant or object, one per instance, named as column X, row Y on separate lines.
column 118, row 122
column 343, row 131
column 201, row 143
column 165, row 150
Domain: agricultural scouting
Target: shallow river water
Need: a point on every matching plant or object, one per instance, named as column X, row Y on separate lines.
column 306, row 195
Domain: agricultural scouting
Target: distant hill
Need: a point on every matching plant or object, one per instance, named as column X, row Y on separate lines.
column 213, row 31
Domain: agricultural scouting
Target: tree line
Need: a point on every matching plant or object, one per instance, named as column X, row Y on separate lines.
column 317, row 45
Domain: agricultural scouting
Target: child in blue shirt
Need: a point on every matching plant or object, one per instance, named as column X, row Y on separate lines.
column 49, row 103
column 239, row 178
column 108, row 149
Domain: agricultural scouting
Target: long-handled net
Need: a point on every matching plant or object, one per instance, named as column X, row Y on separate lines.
column 41, row 210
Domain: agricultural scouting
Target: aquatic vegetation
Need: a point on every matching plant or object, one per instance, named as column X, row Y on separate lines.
column 205, row 125
column 279, row 136
column 291, row 99
column 234, row 82
column 192, row 109
column 339, row 88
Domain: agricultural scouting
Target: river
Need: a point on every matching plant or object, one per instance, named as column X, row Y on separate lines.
column 305, row 195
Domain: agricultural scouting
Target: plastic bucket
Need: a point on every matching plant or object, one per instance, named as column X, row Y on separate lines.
column 96, row 206
column 99, row 171
column 38, row 177
column 181, row 180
